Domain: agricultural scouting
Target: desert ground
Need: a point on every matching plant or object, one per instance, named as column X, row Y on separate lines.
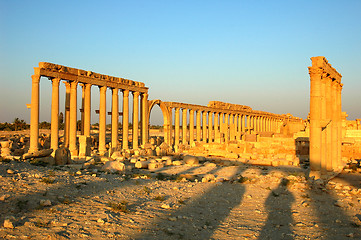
column 207, row 198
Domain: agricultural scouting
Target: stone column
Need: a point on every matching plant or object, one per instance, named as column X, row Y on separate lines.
column 226, row 124
column 191, row 126
column 82, row 108
column 216, row 128
column 125, row 118
column 322, row 123
column 67, row 114
column 198, row 127
column 115, row 118
column 176, row 126
column 73, row 119
column 231, row 127
column 204, row 126
column 184, row 126
column 239, row 126
column 243, row 123
column 54, row 142
column 315, row 118
column 334, row 136
column 235, row 121
column 87, row 107
column 145, row 118
column 170, row 129
column 248, row 123
column 339, row 122
column 135, row 119
column 34, row 117
column 102, row 120
column 210, row 127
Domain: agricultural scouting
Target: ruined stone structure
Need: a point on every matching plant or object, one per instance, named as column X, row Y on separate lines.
column 72, row 78
column 325, row 116
column 216, row 123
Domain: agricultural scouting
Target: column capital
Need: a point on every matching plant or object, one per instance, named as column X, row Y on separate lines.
column 73, row 84
column 102, row 89
column 191, row 110
column 125, row 92
column 177, row 109
column 135, row 94
column 115, row 90
column 55, row 81
column 35, row 78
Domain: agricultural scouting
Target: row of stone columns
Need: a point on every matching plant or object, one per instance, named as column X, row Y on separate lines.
column 215, row 126
column 325, row 118
column 70, row 131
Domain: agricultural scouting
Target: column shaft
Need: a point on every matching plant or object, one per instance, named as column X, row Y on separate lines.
column 191, row 126
column 115, row 118
column 204, row 127
column 102, row 120
column 67, row 114
column 216, row 128
column 87, row 107
column 54, row 142
column 34, row 117
column 198, row 127
column 73, row 119
column 135, row 119
column 210, row 127
column 176, row 126
column 125, row 118
column 184, row 126
column 145, row 118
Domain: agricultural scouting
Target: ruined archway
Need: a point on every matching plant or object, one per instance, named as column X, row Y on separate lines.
column 166, row 118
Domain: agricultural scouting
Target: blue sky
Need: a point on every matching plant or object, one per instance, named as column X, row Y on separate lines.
column 253, row 53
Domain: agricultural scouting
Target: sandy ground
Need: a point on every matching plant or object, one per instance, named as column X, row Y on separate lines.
column 241, row 202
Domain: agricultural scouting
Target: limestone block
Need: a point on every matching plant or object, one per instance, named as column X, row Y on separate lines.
column 38, row 154
column 62, row 156
column 84, row 146
column 191, row 160
column 113, row 166
column 177, row 163
column 142, row 164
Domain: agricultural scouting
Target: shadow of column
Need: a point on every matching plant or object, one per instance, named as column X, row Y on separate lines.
column 278, row 205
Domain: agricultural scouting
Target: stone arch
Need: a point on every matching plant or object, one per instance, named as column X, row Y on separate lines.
column 166, row 117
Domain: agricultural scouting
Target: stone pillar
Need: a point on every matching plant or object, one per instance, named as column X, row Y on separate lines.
column 184, row 126
column 191, row 126
column 87, row 107
column 135, row 119
column 198, row 127
column 226, row 124
column 54, row 142
column 145, row 118
column 315, row 118
column 231, row 127
column 243, row 123
column 82, row 108
column 216, row 128
column 248, row 123
column 115, row 118
column 210, row 127
column 67, row 114
column 339, row 122
column 102, row 120
column 170, row 131
column 73, row 119
column 204, row 127
column 176, row 126
column 34, row 114
column 239, row 127
column 334, row 137
column 125, row 118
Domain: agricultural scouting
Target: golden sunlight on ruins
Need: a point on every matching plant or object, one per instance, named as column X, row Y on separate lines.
column 221, row 171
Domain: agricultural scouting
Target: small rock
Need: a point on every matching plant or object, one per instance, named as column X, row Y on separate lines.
column 351, row 235
column 45, row 203
column 100, row 220
column 113, row 166
column 165, row 206
column 4, row 197
column 172, row 219
column 8, row 223
column 10, row 171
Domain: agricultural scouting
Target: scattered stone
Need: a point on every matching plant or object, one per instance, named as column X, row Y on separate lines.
column 113, row 167
column 38, row 154
column 8, row 223
column 62, row 156
column 4, row 197
column 45, row 203
column 191, row 160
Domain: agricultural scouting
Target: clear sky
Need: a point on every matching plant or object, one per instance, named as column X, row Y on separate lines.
column 253, row 53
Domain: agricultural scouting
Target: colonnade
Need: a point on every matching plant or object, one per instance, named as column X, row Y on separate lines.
column 214, row 124
column 74, row 77
column 325, row 116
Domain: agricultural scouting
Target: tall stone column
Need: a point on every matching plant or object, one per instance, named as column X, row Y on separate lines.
column 315, row 119
column 170, row 129
column 334, row 137
column 322, row 125
column 239, row 128
column 102, row 120
column 145, row 118
column 243, row 123
column 226, row 124
column 67, row 114
column 216, row 128
column 204, row 126
column 135, row 119
column 210, row 127
column 339, row 123
column 249, row 123
column 198, row 127
column 235, row 121
column 115, row 117
column 191, row 127
column 176, row 126
column 87, row 107
column 82, row 108
column 73, row 119
column 231, row 127
column 125, row 118
column 34, row 114
column 54, row 142
column 184, row 126
column 329, row 102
